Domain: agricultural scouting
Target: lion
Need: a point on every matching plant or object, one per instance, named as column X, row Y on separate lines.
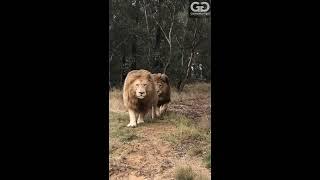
column 139, row 96
column 163, row 91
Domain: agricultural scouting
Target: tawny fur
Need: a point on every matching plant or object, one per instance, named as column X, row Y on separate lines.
column 163, row 91
column 136, row 107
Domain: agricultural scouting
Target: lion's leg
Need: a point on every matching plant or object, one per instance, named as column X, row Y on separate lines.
column 153, row 111
column 158, row 111
column 163, row 108
column 140, row 118
column 132, row 116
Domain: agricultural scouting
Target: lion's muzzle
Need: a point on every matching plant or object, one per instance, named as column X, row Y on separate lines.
column 141, row 94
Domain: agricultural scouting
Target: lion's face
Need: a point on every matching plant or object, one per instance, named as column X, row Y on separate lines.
column 159, row 86
column 141, row 87
column 161, row 83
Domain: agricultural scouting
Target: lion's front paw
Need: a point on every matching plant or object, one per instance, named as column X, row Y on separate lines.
column 140, row 121
column 131, row 125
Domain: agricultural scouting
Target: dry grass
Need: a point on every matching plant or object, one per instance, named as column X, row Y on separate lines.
column 187, row 129
column 188, row 136
column 191, row 91
column 187, row 173
column 116, row 101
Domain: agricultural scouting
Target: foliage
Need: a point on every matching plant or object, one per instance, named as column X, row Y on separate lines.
column 157, row 35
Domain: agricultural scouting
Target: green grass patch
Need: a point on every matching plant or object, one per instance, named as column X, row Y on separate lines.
column 184, row 173
column 187, row 130
column 201, row 177
column 118, row 129
column 187, row 173
column 207, row 160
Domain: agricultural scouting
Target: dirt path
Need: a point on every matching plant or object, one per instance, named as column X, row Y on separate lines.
column 152, row 157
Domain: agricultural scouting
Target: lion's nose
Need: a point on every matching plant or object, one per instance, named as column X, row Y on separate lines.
column 141, row 93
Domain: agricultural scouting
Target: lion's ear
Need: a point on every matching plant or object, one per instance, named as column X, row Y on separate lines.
column 150, row 77
column 165, row 78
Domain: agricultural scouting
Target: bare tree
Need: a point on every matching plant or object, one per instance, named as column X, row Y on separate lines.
column 169, row 36
column 181, row 44
column 148, row 33
column 195, row 43
column 156, row 35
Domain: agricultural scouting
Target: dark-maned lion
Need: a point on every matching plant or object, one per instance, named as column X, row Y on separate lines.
column 163, row 91
column 139, row 95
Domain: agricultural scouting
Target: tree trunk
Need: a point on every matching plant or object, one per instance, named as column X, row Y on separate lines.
column 110, row 59
column 134, row 53
column 186, row 77
column 156, row 63
column 169, row 40
column 169, row 60
column 123, row 65
column 148, row 34
column 194, row 45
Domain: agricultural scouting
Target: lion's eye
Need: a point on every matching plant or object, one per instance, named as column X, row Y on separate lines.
column 137, row 84
column 144, row 84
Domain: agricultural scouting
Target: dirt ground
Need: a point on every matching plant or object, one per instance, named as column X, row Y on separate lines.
column 152, row 157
